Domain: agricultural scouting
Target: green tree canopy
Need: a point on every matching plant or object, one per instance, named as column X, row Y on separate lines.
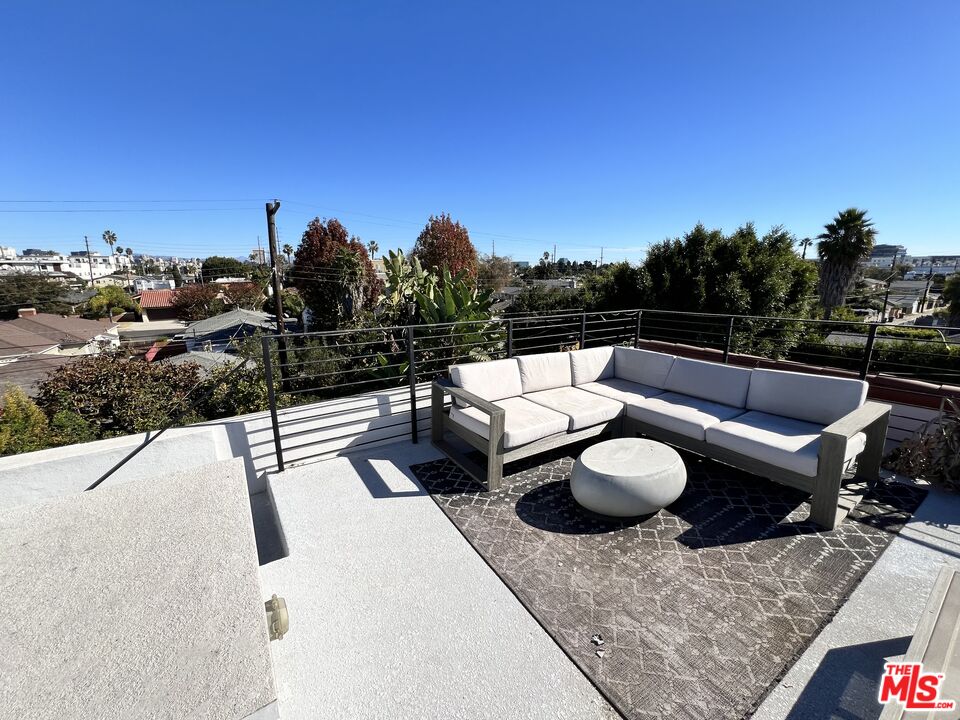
column 110, row 300
column 217, row 266
column 21, row 290
column 951, row 296
column 740, row 273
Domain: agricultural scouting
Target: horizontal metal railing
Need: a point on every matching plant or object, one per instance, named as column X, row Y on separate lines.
column 317, row 366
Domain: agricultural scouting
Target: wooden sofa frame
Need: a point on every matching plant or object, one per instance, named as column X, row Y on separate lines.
column 828, row 507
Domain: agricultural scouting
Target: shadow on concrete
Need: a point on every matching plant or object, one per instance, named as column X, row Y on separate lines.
column 271, row 544
column 845, row 685
column 377, row 486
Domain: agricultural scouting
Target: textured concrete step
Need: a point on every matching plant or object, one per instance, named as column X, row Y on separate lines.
column 137, row 600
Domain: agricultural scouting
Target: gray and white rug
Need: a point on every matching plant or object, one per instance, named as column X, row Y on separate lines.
column 701, row 608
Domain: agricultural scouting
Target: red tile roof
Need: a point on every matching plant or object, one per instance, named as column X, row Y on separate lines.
column 153, row 299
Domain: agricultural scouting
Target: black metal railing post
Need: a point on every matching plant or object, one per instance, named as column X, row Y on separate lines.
column 510, row 338
column 583, row 330
column 729, row 340
column 636, row 331
column 412, row 376
column 868, row 351
column 272, row 399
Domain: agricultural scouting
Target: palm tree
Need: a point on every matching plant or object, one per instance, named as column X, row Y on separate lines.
column 373, row 247
column 288, row 251
column 846, row 241
column 110, row 238
column 805, row 243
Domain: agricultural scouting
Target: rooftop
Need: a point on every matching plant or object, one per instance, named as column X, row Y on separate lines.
column 155, row 299
column 413, row 591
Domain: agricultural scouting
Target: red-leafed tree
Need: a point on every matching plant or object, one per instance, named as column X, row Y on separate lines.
column 333, row 273
column 197, row 302
column 445, row 244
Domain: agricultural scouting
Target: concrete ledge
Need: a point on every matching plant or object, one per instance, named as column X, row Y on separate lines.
column 139, row 600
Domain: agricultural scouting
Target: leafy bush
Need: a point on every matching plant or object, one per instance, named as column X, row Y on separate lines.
column 23, row 426
column 116, row 396
column 934, row 453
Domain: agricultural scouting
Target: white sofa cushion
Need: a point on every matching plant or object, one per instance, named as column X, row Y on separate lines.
column 584, row 408
column 492, row 380
column 722, row 384
column 814, row 398
column 545, row 371
column 784, row 442
column 642, row 366
column 524, row 421
column 682, row 414
column 591, row 365
column 622, row 390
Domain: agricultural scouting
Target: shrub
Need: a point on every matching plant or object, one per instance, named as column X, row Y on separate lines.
column 23, row 426
column 116, row 396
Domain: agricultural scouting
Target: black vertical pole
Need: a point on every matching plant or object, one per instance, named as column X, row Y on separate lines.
column 272, row 398
column 726, row 349
column 636, row 332
column 583, row 330
column 412, row 375
column 510, row 338
column 868, row 351
column 272, row 209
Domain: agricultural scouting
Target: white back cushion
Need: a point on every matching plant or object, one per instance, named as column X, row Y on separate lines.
column 642, row 366
column 545, row 371
column 492, row 380
column 591, row 365
column 814, row 398
column 710, row 381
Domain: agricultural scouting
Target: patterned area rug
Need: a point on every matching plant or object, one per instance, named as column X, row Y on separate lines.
column 701, row 608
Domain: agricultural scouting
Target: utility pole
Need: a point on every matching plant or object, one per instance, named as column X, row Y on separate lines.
column 601, row 256
column 554, row 253
column 86, row 242
column 272, row 209
column 886, row 297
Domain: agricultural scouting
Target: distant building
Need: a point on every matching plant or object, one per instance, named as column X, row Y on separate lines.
column 140, row 284
column 258, row 256
column 883, row 256
column 78, row 263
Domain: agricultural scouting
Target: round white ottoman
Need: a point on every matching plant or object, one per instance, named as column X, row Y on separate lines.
column 625, row 477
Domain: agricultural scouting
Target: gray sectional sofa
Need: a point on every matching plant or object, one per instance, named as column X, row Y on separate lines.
column 797, row 429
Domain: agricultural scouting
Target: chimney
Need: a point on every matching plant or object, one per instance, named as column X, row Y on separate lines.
column 26, row 312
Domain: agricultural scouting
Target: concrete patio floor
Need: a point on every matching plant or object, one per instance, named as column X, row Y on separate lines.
column 393, row 614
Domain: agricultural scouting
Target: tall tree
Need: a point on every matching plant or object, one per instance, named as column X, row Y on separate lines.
column 110, row 238
column 494, row 272
column 445, row 244
column 217, row 266
column 843, row 244
column 805, row 243
column 951, row 296
column 29, row 290
column 333, row 273
column 288, row 251
column 197, row 301
column 740, row 273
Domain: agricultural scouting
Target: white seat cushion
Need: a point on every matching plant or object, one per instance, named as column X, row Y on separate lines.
column 642, row 366
column 718, row 383
column 524, row 421
column 545, row 371
column 814, row 398
column 682, row 414
column 492, row 380
column 780, row 441
column 584, row 408
column 622, row 390
column 591, row 365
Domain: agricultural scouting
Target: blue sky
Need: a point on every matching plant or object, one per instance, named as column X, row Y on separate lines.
column 580, row 124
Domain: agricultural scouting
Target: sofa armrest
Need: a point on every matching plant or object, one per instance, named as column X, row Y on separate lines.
column 468, row 397
column 858, row 420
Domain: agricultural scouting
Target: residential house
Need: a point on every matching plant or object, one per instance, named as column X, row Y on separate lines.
column 36, row 343
column 216, row 333
column 157, row 305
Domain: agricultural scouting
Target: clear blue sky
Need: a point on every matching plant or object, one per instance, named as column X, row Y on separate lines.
column 580, row 124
